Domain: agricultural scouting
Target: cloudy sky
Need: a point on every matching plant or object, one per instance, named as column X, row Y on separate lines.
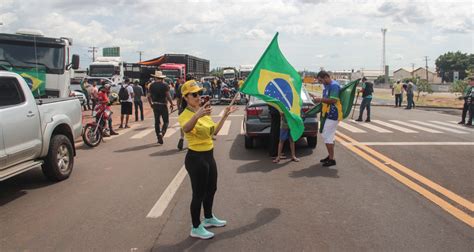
column 336, row 35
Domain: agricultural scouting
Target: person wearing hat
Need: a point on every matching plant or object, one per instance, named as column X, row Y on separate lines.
column 103, row 98
column 199, row 129
column 158, row 96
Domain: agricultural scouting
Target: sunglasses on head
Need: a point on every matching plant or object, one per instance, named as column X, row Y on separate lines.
column 196, row 94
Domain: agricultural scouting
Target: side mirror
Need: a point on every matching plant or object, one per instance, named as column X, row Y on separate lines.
column 75, row 61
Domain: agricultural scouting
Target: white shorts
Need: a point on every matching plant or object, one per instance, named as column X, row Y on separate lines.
column 329, row 131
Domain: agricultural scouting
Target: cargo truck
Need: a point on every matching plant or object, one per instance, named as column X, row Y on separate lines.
column 193, row 65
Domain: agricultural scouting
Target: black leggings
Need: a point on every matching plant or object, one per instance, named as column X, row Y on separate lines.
column 202, row 171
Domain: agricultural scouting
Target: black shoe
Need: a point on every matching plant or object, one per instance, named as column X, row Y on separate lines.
column 180, row 144
column 469, row 124
column 113, row 133
column 368, row 120
column 359, row 120
column 461, row 122
column 330, row 162
column 160, row 139
column 324, row 160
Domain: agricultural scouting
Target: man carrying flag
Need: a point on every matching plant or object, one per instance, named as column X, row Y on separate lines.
column 276, row 82
column 331, row 114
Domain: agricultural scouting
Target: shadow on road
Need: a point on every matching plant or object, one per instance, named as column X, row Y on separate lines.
column 264, row 217
column 317, row 170
column 168, row 152
column 138, row 148
column 265, row 164
column 16, row 187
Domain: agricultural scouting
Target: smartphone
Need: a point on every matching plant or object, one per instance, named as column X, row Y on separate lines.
column 204, row 100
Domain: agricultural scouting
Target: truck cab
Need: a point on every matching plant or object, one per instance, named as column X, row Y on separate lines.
column 108, row 67
column 230, row 74
column 173, row 71
column 45, row 63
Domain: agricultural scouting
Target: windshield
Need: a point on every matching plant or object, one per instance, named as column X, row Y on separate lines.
column 24, row 55
column 244, row 74
column 101, row 70
column 171, row 73
column 229, row 76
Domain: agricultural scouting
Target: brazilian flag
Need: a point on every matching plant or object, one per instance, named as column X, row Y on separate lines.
column 346, row 96
column 276, row 82
column 35, row 78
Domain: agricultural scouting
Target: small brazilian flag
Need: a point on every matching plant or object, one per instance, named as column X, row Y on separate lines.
column 276, row 82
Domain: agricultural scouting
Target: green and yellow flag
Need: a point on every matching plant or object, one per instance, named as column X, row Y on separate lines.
column 346, row 96
column 276, row 82
column 35, row 78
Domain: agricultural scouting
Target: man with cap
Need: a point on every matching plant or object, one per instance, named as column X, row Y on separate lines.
column 126, row 102
column 397, row 90
column 367, row 90
column 158, row 96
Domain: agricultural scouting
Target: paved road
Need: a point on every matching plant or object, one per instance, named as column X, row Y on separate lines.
column 393, row 189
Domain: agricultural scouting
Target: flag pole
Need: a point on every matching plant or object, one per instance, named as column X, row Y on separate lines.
column 354, row 105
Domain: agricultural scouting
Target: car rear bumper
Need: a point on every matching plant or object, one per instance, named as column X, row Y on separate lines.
column 256, row 128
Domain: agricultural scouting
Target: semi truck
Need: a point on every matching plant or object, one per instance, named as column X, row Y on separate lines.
column 245, row 70
column 107, row 67
column 45, row 63
column 193, row 65
column 229, row 73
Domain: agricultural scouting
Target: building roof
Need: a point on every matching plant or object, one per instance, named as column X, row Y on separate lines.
column 402, row 68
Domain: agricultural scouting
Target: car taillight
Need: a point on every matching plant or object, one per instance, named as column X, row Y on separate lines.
column 254, row 111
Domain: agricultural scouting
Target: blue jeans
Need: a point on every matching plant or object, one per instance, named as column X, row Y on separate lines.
column 138, row 105
column 365, row 104
column 409, row 101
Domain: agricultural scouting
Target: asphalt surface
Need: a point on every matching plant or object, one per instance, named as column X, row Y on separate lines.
column 289, row 206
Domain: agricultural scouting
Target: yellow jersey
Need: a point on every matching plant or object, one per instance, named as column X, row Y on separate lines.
column 200, row 137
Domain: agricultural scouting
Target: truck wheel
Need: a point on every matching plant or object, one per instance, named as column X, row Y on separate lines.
column 312, row 142
column 249, row 142
column 60, row 160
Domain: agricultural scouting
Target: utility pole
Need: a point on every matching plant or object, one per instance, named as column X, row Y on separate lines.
column 93, row 50
column 426, row 61
column 384, row 31
column 412, row 70
column 140, row 55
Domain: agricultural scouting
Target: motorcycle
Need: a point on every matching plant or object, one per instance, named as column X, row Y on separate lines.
column 94, row 131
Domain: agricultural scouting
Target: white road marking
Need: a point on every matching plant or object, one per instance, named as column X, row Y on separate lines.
column 171, row 130
column 142, row 134
column 451, row 125
column 242, row 130
column 439, row 127
column 393, row 126
column 351, row 128
column 416, row 126
column 412, row 143
column 456, row 122
column 373, row 127
column 225, row 128
column 165, row 199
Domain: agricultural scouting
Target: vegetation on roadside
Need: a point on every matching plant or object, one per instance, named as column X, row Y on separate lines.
column 451, row 62
column 458, row 87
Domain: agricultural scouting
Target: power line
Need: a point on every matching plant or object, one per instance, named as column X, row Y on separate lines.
column 93, row 50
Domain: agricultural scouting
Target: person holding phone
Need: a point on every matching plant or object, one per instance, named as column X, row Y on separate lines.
column 199, row 129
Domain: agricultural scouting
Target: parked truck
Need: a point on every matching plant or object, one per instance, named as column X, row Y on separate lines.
column 36, row 132
column 230, row 74
column 193, row 65
column 245, row 70
column 45, row 63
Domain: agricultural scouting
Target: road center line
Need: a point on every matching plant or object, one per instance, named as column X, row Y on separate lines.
column 160, row 206
column 427, row 194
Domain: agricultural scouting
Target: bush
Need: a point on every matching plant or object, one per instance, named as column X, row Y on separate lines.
column 458, row 87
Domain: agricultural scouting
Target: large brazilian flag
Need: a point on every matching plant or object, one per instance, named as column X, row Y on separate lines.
column 276, row 82
column 35, row 78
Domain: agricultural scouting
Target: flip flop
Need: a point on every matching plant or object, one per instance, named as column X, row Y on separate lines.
column 295, row 159
column 276, row 161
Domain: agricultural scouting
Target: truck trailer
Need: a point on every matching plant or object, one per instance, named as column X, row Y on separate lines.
column 193, row 65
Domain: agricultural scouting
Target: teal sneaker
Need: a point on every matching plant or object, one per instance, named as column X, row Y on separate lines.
column 214, row 222
column 201, row 233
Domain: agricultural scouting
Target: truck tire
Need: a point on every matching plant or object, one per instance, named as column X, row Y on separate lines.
column 312, row 142
column 60, row 160
column 249, row 142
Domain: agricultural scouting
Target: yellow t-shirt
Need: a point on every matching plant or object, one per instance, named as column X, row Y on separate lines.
column 397, row 88
column 199, row 138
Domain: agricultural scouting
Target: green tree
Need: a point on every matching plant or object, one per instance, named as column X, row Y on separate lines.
column 450, row 62
column 458, row 87
column 422, row 86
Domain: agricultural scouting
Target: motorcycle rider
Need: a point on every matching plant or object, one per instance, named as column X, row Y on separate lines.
column 103, row 99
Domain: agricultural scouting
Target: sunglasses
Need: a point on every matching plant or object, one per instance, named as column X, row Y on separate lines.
column 196, row 94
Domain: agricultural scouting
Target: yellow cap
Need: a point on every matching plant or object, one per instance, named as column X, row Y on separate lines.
column 190, row 86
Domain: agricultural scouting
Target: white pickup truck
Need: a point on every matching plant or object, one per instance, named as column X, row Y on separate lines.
column 36, row 132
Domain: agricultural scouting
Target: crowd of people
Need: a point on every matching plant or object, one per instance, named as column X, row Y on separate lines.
column 407, row 88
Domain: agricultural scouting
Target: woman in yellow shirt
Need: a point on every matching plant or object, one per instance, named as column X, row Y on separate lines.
column 199, row 128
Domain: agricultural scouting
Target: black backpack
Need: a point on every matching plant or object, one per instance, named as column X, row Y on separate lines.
column 368, row 90
column 123, row 93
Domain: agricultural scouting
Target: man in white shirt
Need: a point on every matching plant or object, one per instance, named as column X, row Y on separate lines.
column 126, row 96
